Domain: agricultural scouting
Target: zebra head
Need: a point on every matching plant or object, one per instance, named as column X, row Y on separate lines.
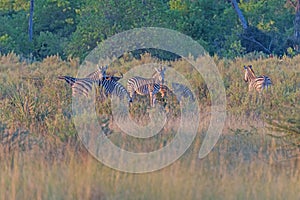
column 159, row 75
column 102, row 71
column 99, row 74
column 249, row 73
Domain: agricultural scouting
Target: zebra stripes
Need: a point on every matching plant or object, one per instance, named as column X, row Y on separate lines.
column 256, row 82
column 69, row 79
column 101, row 73
column 181, row 90
column 146, row 86
column 112, row 87
column 149, row 86
column 83, row 86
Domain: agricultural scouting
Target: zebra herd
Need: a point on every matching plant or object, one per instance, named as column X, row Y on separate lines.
column 148, row 86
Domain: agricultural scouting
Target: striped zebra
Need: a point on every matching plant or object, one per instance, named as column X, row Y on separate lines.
column 97, row 75
column 69, row 79
column 101, row 73
column 83, row 86
column 147, row 86
column 99, row 78
column 80, row 86
column 256, row 82
column 181, row 90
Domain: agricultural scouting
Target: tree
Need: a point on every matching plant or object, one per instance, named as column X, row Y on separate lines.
column 240, row 14
column 99, row 20
column 252, row 38
column 296, row 36
column 30, row 28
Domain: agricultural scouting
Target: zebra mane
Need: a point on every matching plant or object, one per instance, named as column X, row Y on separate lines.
column 100, row 73
column 250, row 71
column 250, row 68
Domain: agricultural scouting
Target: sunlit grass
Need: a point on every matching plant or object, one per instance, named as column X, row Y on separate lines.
column 42, row 158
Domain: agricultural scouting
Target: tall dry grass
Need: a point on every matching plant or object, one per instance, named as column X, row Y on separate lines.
column 41, row 157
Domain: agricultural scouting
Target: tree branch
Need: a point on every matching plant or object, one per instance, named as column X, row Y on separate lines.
column 256, row 42
column 292, row 3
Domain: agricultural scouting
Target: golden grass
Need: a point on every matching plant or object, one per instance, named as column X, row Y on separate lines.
column 41, row 157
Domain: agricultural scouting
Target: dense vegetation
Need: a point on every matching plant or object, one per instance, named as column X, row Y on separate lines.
column 74, row 28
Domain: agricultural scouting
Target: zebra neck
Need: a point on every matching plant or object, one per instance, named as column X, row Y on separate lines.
column 251, row 75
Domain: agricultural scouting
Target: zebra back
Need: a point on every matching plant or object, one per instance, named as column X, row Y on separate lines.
column 112, row 87
column 181, row 90
column 69, row 79
column 83, row 86
column 142, row 86
column 256, row 82
column 101, row 73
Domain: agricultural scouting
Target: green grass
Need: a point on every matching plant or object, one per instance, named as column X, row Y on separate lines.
column 256, row 157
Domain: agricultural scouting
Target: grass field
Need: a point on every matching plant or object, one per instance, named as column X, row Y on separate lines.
column 256, row 157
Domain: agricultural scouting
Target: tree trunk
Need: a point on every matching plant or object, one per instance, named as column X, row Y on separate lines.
column 30, row 28
column 297, row 26
column 240, row 14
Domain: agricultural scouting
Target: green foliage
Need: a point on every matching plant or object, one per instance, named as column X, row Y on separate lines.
column 16, row 5
column 79, row 26
column 13, row 33
column 177, row 5
column 100, row 20
column 54, row 21
column 47, row 44
column 273, row 24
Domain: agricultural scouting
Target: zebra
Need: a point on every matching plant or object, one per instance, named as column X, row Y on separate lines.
column 101, row 73
column 256, row 82
column 147, row 86
column 83, row 86
column 99, row 78
column 97, row 75
column 181, row 90
column 69, row 79
column 80, row 86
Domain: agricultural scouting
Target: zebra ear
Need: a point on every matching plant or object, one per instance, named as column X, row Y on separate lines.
column 245, row 67
column 250, row 66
